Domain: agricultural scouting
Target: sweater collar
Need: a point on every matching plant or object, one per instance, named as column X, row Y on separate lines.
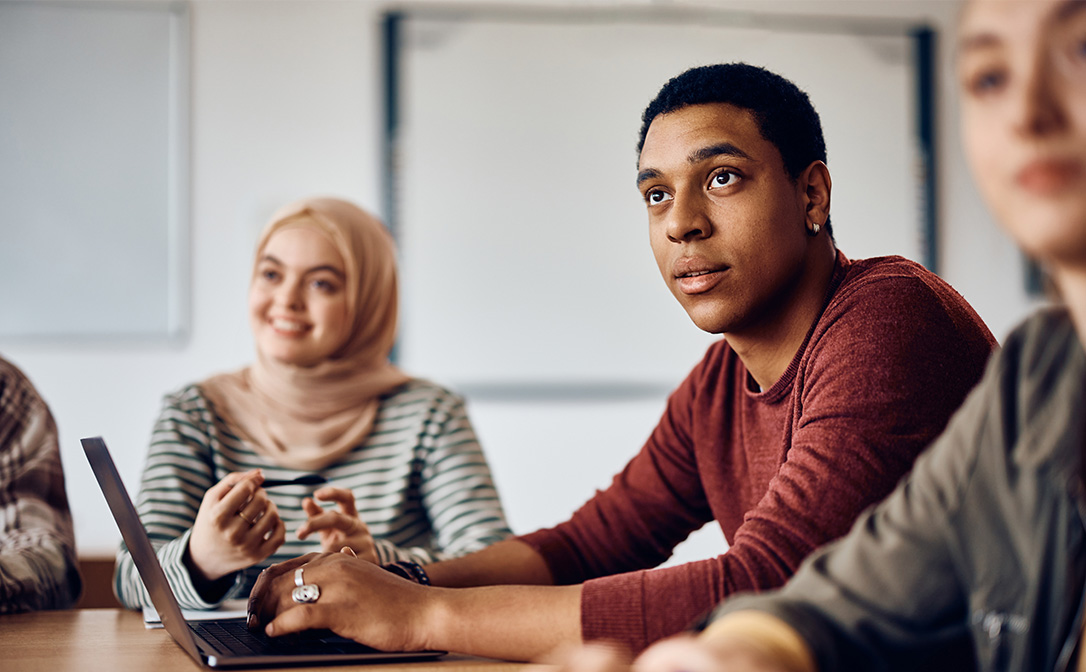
column 783, row 386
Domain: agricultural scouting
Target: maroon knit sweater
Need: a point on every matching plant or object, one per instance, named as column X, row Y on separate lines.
column 783, row 471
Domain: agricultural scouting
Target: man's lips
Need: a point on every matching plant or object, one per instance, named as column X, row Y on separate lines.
column 1048, row 177
column 695, row 276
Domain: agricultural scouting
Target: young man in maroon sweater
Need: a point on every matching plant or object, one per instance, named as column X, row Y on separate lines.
column 832, row 375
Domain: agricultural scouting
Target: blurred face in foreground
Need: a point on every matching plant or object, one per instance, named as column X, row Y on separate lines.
column 1022, row 72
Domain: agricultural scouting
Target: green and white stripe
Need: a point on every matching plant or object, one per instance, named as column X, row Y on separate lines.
column 420, row 481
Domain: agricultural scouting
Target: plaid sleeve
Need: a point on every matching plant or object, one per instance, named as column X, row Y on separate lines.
column 38, row 567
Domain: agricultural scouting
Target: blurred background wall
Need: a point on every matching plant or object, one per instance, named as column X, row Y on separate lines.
column 286, row 100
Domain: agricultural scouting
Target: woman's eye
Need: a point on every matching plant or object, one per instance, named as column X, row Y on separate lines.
column 269, row 275
column 986, row 81
column 1068, row 47
column 725, row 178
column 655, row 197
column 325, row 286
column 1076, row 56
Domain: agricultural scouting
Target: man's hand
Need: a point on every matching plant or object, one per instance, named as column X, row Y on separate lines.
column 338, row 528
column 358, row 600
column 235, row 527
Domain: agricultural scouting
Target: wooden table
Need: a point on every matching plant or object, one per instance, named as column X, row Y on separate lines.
column 116, row 640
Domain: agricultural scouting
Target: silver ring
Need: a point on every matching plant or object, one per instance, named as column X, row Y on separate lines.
column 305, row 593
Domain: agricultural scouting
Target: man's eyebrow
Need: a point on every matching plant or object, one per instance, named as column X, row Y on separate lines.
column 697, row 156
column 722, row 149
column 647, row 174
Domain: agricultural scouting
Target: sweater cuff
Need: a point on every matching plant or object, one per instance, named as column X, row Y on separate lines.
column 171, row 556
column 563, row 562
column 613, row 609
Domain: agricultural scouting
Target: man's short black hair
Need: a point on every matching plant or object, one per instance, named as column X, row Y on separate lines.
column 783, row 112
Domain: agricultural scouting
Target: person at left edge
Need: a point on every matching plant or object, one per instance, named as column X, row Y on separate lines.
column 406, row 477
column 38, row 568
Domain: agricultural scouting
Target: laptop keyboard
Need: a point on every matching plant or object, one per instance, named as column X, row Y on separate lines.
column 233, row 637
column 230, row 637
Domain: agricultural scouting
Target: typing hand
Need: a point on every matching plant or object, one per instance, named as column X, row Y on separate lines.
column 338, row 528
column 235, row 527
column 357, row 600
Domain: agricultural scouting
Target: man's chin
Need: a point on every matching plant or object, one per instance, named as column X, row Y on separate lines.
column 712, row 322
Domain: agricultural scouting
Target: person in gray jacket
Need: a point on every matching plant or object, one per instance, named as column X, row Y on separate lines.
column 985, row 542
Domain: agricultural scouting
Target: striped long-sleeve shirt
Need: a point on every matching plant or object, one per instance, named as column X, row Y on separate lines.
column 420, row 481
column 37, row 545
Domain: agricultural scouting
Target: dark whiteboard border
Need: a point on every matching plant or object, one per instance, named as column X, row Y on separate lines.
column 924, row 39
column 924, row 49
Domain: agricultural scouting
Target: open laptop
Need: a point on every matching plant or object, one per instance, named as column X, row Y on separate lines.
column 224, row 643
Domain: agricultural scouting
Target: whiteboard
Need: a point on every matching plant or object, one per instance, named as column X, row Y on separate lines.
column 93, row 169
column 525, row 244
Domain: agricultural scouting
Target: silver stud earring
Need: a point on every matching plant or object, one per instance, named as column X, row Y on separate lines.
column 815, row 228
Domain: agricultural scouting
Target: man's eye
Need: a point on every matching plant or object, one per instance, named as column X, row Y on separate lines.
column 725, row 178
column 656, row 197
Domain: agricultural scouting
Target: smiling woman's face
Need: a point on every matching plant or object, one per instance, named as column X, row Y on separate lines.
column 298, row 298
column 1022, row 73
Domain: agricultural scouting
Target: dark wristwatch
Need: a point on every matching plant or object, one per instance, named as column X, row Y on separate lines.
column 412, row 571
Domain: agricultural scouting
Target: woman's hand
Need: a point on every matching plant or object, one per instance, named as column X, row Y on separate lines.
column 338, row 528
column 357, row 600
column 236, row 526
column 701, row 654
column 682, row 653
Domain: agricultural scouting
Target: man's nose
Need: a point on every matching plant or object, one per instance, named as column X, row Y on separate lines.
column 687, row 221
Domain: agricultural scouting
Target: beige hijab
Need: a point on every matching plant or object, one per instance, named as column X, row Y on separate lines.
column 307, row 418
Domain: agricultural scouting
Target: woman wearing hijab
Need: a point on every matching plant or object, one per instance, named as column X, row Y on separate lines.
column 401, row 468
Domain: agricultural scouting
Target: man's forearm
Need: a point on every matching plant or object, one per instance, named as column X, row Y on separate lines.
column 507, row 622
column 508, row 562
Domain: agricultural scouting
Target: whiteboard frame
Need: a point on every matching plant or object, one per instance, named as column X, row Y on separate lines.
column 923, row 72
column 178, row 192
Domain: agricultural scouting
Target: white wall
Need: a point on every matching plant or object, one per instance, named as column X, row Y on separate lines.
column 285, row 103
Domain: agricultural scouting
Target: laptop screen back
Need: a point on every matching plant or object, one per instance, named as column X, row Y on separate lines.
column 139, row 544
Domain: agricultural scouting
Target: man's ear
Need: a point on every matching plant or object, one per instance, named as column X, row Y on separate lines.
column 816, row 184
